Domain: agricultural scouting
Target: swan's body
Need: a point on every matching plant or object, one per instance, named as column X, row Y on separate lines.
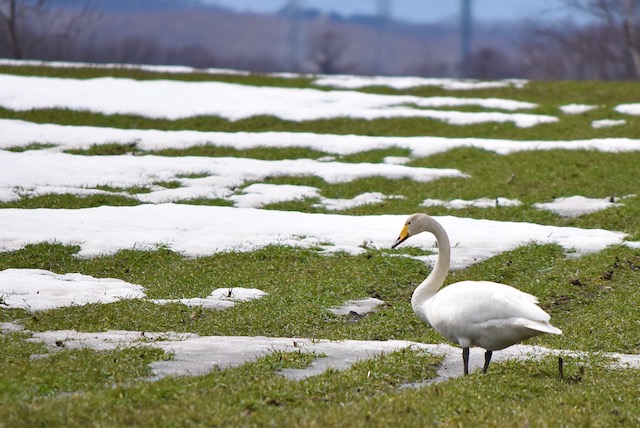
column 485, row 314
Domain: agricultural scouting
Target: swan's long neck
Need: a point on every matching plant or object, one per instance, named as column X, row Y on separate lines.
column 429, row 287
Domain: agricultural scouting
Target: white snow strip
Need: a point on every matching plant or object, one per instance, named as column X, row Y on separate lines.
column 478, row 203
column 369, row 198
column 203, row 230
column 178, row 99
column 38, row 172
column 406, row 82
column 177, row 69
column 36, row 289
column 341, row 81
column 17, row 133
column 396, row 160
column 577, row 108
column 633, row 109
column 259, row 194
column 220, row 298
column 574, row 206
column 607, row 123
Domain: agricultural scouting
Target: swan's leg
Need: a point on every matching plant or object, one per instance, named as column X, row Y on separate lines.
column 465, row 360
column 487, row 360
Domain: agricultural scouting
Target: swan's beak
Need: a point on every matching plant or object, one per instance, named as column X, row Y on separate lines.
column 404, row 234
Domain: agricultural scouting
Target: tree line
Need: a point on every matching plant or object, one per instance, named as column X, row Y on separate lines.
column 605, row 47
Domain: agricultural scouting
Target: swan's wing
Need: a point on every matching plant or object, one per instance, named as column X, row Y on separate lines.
column 481, row 301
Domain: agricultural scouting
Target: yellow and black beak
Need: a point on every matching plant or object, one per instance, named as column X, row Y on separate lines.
column 404, row 234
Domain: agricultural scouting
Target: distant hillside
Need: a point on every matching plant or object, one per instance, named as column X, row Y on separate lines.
column 129, row 6
column 188, row 32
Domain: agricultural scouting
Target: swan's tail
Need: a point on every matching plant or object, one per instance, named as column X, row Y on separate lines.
column 542, row 326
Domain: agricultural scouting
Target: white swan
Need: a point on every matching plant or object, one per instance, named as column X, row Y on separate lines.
column 486, row 314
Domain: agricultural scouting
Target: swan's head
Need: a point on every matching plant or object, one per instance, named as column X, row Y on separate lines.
column 415, row 224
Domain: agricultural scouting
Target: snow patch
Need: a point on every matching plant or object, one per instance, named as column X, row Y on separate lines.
column 633, row 109
column 36, row 289
column 220, row 298
column 406, row 82
column 574, row 206
column 358, row 306
column 457, row 204
column 607, row 123
column 577, row 108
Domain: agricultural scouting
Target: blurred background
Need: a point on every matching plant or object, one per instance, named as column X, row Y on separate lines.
column 486, row 39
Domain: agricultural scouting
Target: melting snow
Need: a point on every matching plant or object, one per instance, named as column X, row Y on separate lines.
column 177, row 69
column 17, row 133
column 177, row 99
column 606, row 123
column 577, row 108
column 220, row 298
column 35, row 289
column 406, row 82
column 478, row 203
column 574, row 206
column 358, row 306
column 203, row 230
column 36, row 172
column 260, row 194
column 198, row 355
column 369, row 198
column 633, row 109
column 396, row 160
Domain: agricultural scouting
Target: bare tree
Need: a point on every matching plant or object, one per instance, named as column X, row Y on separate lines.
column 327, row 48
column 606, row 48
column 326, row 51
column 489, row 63
column 29, row 24
column 619, row 16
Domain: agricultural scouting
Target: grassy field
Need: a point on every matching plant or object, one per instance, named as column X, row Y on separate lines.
column 593, row 299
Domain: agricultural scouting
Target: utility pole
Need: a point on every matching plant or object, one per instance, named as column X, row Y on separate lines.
column 294, row 35
column 381, row 53
column 466, row 22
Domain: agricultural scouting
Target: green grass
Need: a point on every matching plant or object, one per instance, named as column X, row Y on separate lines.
column 250, row 394
column 302, row 284
column 593, row 299
column 32, row 146
column 24, row 378
column 111, row 149
column 67, row 201
column 569, row 127
column 365, row 395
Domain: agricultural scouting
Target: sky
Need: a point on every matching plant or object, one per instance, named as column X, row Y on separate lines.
column 195, row 230
column 417, row 10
